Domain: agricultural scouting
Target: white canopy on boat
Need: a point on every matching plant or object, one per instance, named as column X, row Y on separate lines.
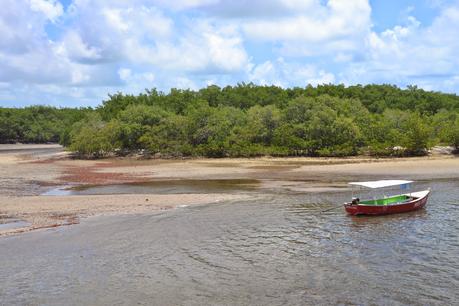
column 381, row 183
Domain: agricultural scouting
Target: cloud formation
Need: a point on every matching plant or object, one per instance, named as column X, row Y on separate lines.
column 75, row 53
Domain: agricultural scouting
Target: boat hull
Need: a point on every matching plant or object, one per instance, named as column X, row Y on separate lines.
column 417, row 203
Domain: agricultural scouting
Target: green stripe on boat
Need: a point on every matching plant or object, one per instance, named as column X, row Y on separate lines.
column 387, row 201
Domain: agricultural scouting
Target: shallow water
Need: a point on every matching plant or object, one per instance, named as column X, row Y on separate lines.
column 278, row 249
column 9, row 224
column 161, row 187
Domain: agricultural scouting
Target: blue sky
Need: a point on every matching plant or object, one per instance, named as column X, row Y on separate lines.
column 75, row 52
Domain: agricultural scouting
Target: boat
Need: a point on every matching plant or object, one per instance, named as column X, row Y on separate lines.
column 393, row 204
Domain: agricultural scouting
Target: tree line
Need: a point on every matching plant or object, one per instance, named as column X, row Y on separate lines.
column 38, row 124
column 248, row 120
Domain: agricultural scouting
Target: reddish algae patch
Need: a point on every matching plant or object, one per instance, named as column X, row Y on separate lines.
column 94, row 174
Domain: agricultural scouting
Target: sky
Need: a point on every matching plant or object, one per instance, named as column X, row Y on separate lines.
column 76, row 52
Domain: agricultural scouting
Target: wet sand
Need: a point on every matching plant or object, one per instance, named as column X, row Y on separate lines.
column 28, row 171
column 51, row 211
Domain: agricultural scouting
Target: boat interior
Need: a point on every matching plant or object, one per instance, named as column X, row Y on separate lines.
column 398, row 199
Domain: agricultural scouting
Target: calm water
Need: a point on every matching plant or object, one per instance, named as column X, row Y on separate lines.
column 161, row 187
column 277, row 250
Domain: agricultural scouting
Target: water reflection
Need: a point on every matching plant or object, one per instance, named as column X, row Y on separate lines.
column 160, row 187
column 389, row 220
column 278, row 249
column 9, row 224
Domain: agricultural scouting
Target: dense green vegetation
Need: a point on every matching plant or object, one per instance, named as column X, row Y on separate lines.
column 248, row 120
column 38, row 124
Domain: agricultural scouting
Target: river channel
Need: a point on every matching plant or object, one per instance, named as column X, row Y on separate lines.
column 277, row 249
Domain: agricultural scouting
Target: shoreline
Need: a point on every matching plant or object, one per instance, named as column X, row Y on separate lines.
column 40, row 212
column 29, row 171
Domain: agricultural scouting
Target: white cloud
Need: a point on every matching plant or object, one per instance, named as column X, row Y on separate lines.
column 143, row 35
column 265, row 73
column 128, row 76
column 76, row 49
column 285, row 74
column 21, row 29
column 125, row 74
column 99, row 46
column 203, row 48
column 135, row 82
column 335, row 20
column 114, row 19
column 102, row 35
column 79, row 77
column 301, row 27
column 412, row 54
column 226, row 52
column 52, row 9
column 184, row 82
column 258, row 8
column 184, row 4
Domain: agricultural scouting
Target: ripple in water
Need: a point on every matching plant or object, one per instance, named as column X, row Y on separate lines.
column 277, row 250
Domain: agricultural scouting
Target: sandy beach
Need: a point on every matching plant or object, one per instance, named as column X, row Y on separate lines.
column 28, row 171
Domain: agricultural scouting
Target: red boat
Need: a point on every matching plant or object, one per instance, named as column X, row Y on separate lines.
column 388, row 204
